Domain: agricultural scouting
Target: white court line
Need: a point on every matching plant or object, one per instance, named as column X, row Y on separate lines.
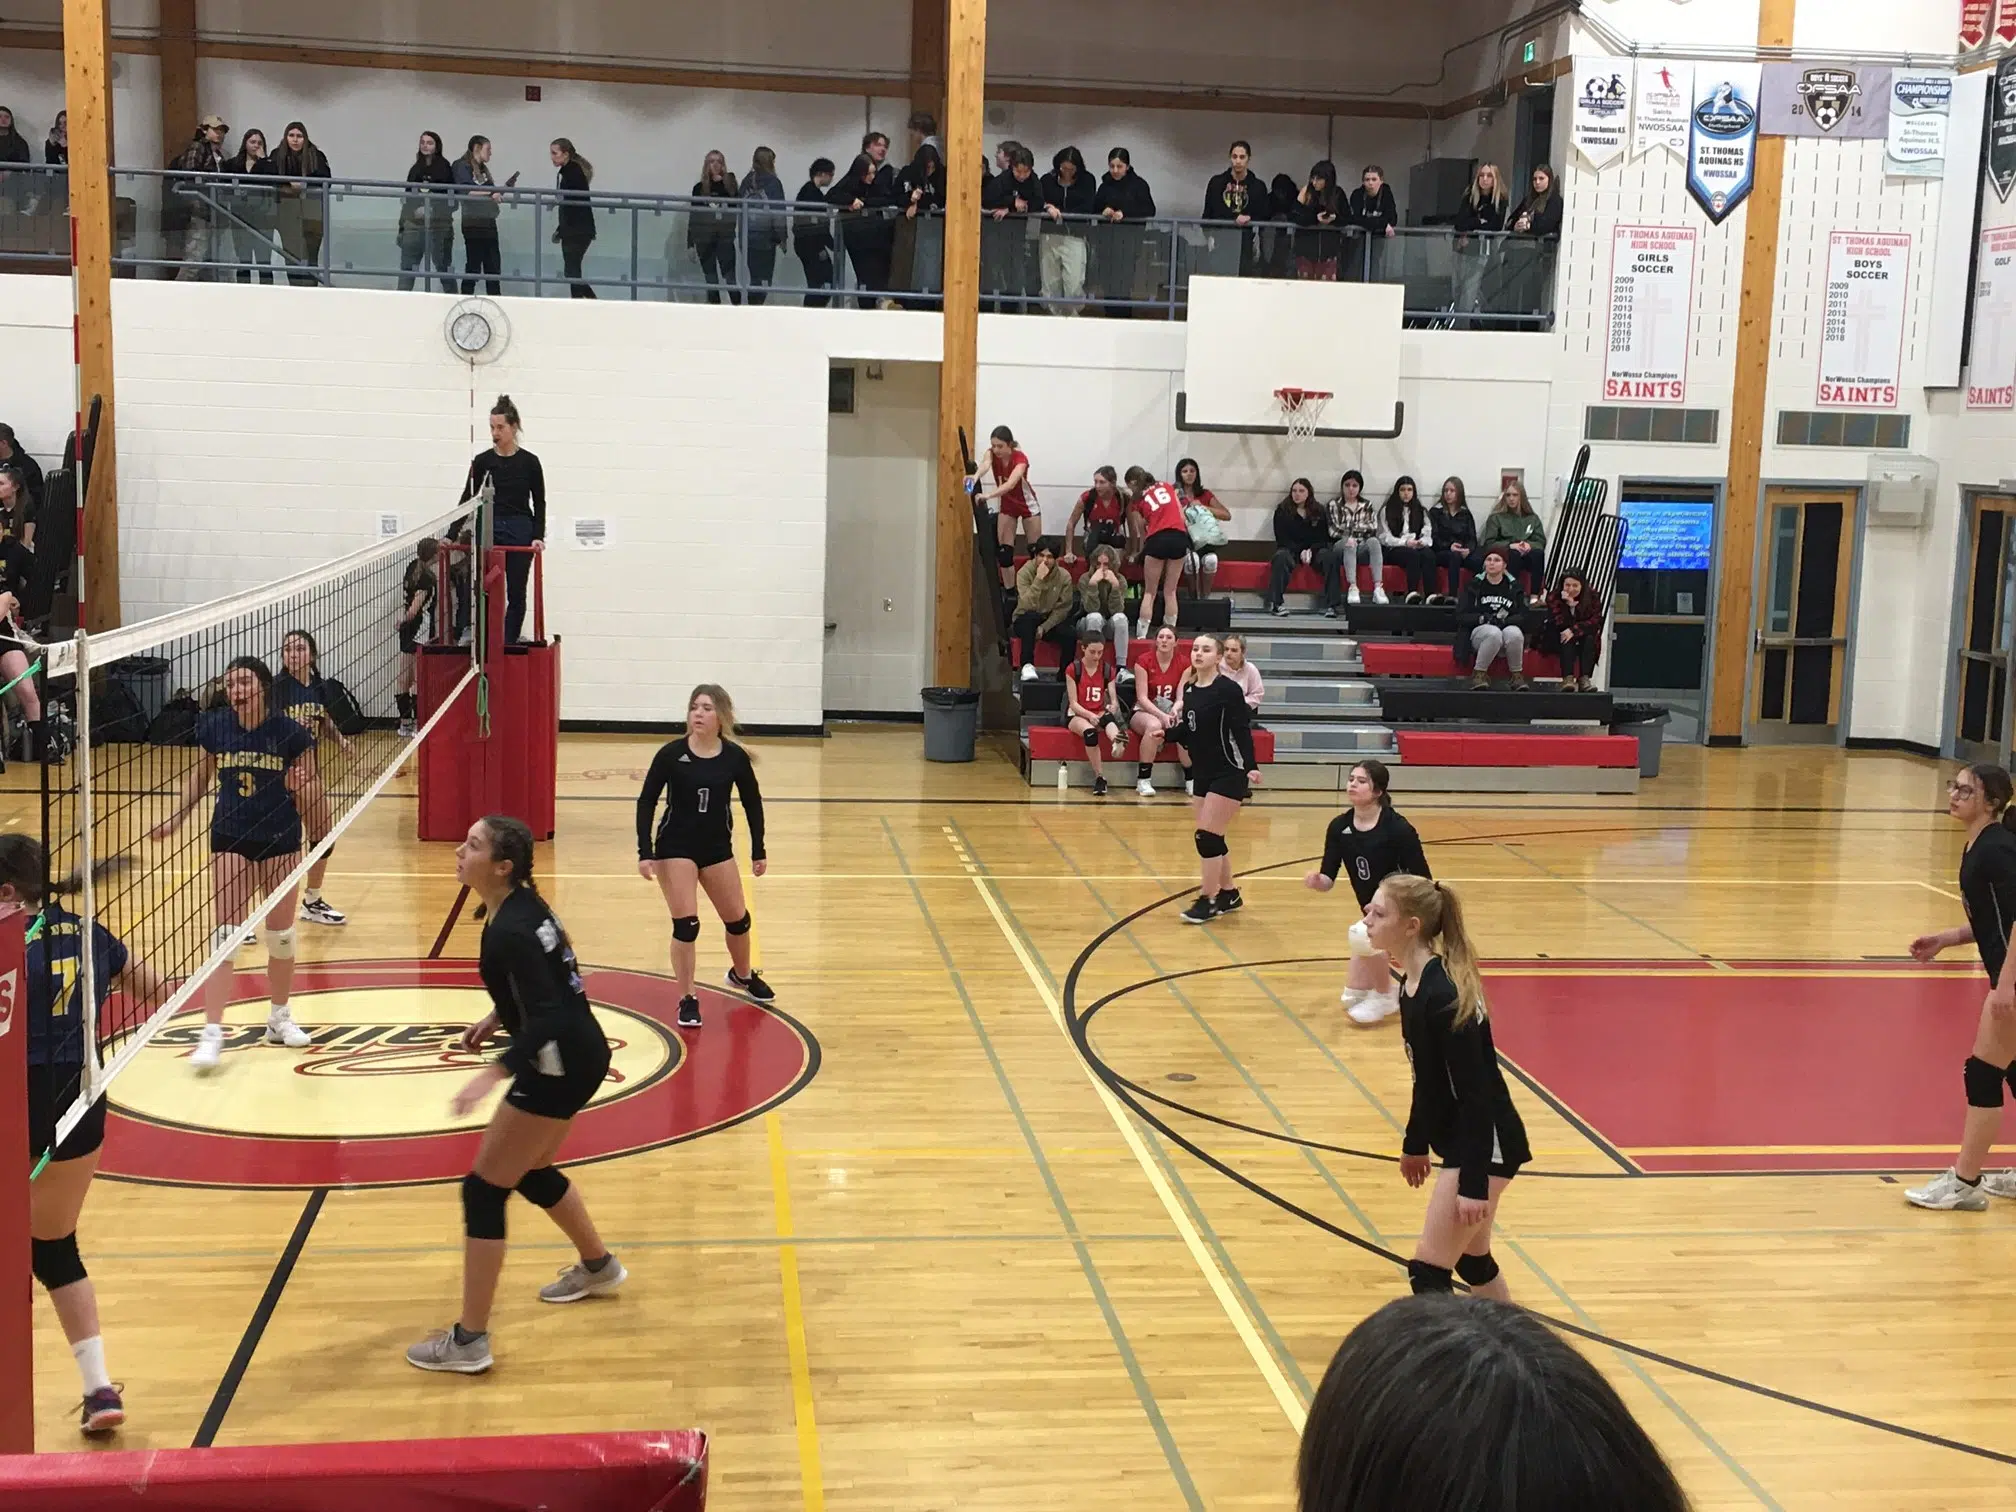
column 1941, row 891
column 1242, row 1324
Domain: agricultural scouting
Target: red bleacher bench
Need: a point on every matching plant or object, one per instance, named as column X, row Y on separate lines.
column 1429, row 659
column 1251, row 577
column 1139, row 650
column 1056, row 743
column 1454, row 748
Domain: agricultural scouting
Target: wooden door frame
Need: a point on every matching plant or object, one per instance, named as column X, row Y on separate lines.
column 1771, row 492
column 1966, row 545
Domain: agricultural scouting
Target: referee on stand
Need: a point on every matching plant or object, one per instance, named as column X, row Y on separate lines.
column 518, row 492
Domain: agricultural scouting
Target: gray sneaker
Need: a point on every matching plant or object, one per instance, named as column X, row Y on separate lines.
column 1946, row 1192
column 1999, row 1183
column 577, row 1282
column 439, row 1351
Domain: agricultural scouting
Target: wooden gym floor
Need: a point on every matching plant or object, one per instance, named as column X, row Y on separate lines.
column 936, row 1264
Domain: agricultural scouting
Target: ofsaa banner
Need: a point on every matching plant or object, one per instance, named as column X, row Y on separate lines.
column 1824, row 100
column 1602, row 120
column 1921, row 102
column 1722, row 137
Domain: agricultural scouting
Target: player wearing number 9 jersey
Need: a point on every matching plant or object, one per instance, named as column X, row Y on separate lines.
column 694, row 844
column 259, row 757
column 1369, row 842
column 56, row 1057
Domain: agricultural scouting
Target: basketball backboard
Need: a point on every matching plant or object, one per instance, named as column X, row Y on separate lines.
column 1247, row 337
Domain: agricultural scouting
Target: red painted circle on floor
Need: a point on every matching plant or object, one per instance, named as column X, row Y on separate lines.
column 746, row 1059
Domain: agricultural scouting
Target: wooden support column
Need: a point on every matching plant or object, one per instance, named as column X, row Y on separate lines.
column 965, row 82
column 927, row 58
column 1735, row 595
column 179, row 110
column 87, row 89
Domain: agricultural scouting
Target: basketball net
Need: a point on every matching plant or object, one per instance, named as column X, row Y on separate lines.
column 1301, row 411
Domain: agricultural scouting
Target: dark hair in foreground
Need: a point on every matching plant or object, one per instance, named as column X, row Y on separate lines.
column 1442, row 1403
column 22, row 863
column 511, row 843
column 1998, row 788
column 1377, row 774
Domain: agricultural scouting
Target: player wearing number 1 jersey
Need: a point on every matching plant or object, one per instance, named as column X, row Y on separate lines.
column 693, row 846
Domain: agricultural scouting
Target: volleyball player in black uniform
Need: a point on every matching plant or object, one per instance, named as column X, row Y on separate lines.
column 259, row 757
column 17, row 649
column 1369, row 841
column 556, row 1062
column 56, row 1056
column 1217, row 732
column 1461, row 1108
column 416, row 597
column 518, row 518
column 298, row 693
column 1979, row 797
column 693, row 846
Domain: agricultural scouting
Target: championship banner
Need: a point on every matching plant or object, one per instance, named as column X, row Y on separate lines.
column 2005, row 23
column 1991, row 362
column 1602, row 117
column 2002, row 130
column 1974, row 16
column 1651, row 313
column 1662, row 94
column 1824, row 100
column 1722, row 137
column 1921, row 102
column 1862, row 331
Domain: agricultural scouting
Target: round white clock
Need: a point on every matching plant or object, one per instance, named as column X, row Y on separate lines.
column 477, row 331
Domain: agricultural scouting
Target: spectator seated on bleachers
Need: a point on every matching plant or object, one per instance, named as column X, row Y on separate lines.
column 1514, row 526
column 1046, row 602
column 1243, row 672
column 1102, row 603
column 1407, row 539
column 1354, row 527
column 11, row 455
column 1092, row 708
column 1574, row 631
column 1301, row 539
column 1205, row 519
column 1487, row 622
column 1453, row 530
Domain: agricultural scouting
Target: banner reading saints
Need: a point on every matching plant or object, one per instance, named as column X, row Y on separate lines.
column 1722, row 137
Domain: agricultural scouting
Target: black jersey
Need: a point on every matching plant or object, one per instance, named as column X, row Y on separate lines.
column 303, row 702
column 518, row 485
column 1988, row 889
column 419, row 579
column 56, row 985
column 252, row 798
column 1217, row 729
column 17, row 567
column 1461, row 1109
column 696, row 789
column 1369, row 857
column 530, row 972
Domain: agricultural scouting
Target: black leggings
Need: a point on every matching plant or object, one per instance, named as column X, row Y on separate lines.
column 572, row 250
column 1529, row 567
column 1415, row 561
column 1064, row 637
column 480, row 254
column 1578, row 657
column 717, row 265
column 1454, row 565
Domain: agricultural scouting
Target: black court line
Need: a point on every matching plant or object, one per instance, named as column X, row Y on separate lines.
column 1078, row 1024
column 234, row 1373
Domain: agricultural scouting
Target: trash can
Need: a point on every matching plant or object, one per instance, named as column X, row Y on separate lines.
column 951, row 723
column 1648, row 722
column 146, row 678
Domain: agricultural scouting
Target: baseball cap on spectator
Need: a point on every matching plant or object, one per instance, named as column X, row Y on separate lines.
column 213, row 122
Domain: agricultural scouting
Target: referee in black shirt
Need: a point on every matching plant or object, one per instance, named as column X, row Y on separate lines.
column 518, row 488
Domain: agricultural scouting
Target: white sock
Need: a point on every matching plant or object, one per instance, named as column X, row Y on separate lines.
column 90, row 1356
column 311, row 895
column 278, row 1011
column 213, row 1031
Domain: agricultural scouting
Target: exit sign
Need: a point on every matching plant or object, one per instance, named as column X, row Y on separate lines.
column 1531, row 50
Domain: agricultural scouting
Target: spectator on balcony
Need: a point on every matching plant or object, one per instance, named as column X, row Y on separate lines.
column 1277, row 238
column 1108, row 519
column 1487, row 622
column 1068, row 190
column 1574, row 630
column 1354, row 526
column 189, row 208
column 575, row 231
column 1301, row 539
column 1235, row 666
column 1454, row 536
column 1408, row 541
column 1046, row 601
column 56, row 146
column 1535, row 227
column 1092, row 709
column 15, row 188
column 866, row 196
column 812, row 234
column 481, row 252
column 1237, row 196
column 1102, row 601
column 256, row 206
column 1515, row 526
column 427, row 217
column 1120, row 245
column 710, row 229
column 1479, row 220
column 1204, row 517
column 305, row 171
column 1321, row 210
column 1377, row 216
column 1539, row 213
column 1007, row 252
column 765, row 227
column 920, row 235
column 11, row 455
column 922, row 128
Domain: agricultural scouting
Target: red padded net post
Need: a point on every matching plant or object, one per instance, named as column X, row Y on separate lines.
column 17, row 1281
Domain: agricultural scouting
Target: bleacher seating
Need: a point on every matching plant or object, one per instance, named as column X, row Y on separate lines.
column 1449, row 748
column 1429, row 659
column 1055, row 743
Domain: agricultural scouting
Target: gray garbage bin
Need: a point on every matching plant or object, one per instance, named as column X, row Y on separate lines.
column 951, row 723
column 1648, row 722
column 146, row 678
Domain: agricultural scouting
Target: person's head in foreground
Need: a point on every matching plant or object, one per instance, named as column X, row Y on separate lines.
column 1447, row 1403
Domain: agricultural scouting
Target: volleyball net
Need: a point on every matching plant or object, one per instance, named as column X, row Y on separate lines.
column 144, row 697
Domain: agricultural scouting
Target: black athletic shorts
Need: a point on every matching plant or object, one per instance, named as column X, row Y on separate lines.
column 50, row 1092
column 1497, row 1168
column 584, row 1062
column 1168, row 545
column 1226, row 785
column 410, row 637
column 702, row 852
column 256, row 847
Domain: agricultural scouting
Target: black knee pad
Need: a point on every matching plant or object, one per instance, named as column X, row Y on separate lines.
column 1005, row 554
column 483, row 1207
column 1092, row 737
column 740, row 926
column 2012, row 1075
column 1477, row 1269
column 544, row 1187
column 56, row 1262
column 1984, row 1084
column 1211, row 846
column 686, row 930
column 1424, row 1277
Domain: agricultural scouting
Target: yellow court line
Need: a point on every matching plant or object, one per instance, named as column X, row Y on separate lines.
column 1875, row 1149
column 1235, row 1312
column 809, row 1477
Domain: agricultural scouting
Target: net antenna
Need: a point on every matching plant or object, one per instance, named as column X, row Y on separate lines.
column 1301, row 411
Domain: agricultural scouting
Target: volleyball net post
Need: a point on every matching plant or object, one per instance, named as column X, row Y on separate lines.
column 17, row 1282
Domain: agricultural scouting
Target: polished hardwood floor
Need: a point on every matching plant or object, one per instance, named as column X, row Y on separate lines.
column 953, row 1269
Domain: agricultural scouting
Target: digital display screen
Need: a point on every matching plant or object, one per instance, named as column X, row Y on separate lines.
column 1667, row 535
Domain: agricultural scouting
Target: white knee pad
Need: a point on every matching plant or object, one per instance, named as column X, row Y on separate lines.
column 280, row 944
column 1360, row 940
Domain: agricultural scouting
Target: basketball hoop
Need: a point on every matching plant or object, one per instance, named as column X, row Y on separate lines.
column 1301, row 410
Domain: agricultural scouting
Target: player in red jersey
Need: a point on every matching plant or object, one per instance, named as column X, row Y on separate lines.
column 1166, row 544
column 1092, row 709
column 1017, row 498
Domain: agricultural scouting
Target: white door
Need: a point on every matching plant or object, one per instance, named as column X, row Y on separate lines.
column 879, row 472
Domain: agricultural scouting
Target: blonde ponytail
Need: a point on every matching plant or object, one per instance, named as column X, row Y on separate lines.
column 1440, row 913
